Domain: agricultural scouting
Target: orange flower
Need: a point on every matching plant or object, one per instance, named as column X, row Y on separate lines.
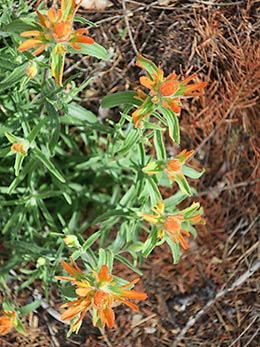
column 56, row 27
column 174, row 166
column 166, row 92
column 99, row 292
column 7, row 321
column 19, row 148
column 56, row 30
column 175, row 224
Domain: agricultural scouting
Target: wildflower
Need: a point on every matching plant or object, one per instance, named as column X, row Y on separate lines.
column 7, row 321
column 177, row 224
column 31, row 69
column 97, row 291
column 72, row 241
column 56, row 30
column 174, row 166
column 19, row 148
column 164, row 91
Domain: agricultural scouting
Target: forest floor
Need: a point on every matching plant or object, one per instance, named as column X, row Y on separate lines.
column 210, row 298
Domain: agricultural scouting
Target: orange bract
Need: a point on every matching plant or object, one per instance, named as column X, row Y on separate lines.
column 56, row 27
column 98, row 292
column 7, row 321
column 56, row 31
column 173, row 224
column 166, row 92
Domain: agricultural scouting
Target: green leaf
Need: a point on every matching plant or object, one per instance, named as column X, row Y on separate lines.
column 78, row 112
column 108, row 214
column 132, row 139
column 175, row 248
column 118, row 99
column 49, row 165
column 150, row 242
column 7, row 64
column 19, row 158
column 93, row 238
column 84, row 21
column 57, row 63
column 191, row 209
column 11, row 138
column 19, row 326
column 159, row 145
column 189, row 172
column 94, row 50
column 55, row 135
column 15, row 76
column 174, row 200
column 128, row 264
column 183, row 184
column 106, row 257
column 29, row 167
column 147, row 65
column 31, row 137
column 30, row 307
column 19, row 25
column 173, row 123
column 151, row 190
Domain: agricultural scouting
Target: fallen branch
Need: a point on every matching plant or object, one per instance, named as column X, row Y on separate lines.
column 235, row 284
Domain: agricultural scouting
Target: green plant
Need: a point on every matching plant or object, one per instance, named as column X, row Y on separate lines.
column 72, row 186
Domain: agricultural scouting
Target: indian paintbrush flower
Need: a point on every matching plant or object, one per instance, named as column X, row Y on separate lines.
column 175, row 170
column 31, row 69
column 56, row 31
column 98, row 292
column 7, row 321
column 19, row 148
column 164, row 91
column 177, row 224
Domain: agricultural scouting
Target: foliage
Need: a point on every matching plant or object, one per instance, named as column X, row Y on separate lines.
column 71, row 185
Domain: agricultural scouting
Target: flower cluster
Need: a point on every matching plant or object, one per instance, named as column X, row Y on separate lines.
column 97, row 291
column 172, row 167
column 56, row 31
column 175, row 169
column 164, row 91
column 7, row 321
column 177, row 224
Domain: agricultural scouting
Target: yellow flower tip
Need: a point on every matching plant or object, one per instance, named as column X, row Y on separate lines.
column 146, row 82
column 184, row 155
column 137, row 118
column 150, row 218
column 31, row 69
column 155, row 99
column 72, row 241
column 198, row 219
column 159, row 208
column 140, row 95
column 19, row 148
